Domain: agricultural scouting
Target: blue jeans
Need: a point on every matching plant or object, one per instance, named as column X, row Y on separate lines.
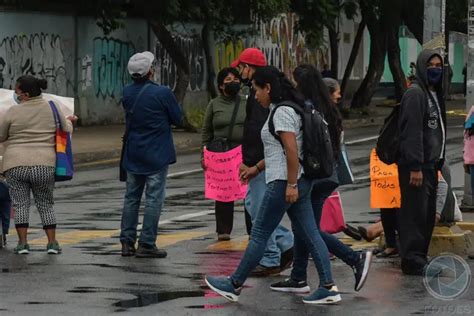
column 281, row 239
column 5, row 207
column 322, row 189
column 269, row 216
column 154, row 186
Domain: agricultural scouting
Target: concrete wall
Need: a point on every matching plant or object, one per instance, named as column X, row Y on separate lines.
column 102, row 68
column 78, row 60
column 40, row 45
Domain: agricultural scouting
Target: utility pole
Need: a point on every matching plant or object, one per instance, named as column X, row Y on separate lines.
column 467, row 202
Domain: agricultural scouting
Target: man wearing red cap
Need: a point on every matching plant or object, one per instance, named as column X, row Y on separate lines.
column 279, row 252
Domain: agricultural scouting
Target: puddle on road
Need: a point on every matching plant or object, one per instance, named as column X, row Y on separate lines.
column 205, row 306
column 156, row 298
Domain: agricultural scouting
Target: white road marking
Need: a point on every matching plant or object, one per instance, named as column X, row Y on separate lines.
column 181, row 218
column 184, row 173
column 362, row 140
column 186, row 217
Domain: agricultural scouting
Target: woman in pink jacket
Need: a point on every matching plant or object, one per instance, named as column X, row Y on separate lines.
column 469, row 146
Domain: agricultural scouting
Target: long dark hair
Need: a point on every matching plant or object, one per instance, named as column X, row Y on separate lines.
column 281, row 87
column 311, row 85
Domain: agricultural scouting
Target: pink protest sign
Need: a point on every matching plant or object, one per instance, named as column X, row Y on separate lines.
column 222, row 182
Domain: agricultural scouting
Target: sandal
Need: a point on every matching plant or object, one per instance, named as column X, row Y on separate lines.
column 363, row 233
column 352, row 232
column 387, row 254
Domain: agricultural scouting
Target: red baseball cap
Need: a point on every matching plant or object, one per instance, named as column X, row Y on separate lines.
column 251, row 56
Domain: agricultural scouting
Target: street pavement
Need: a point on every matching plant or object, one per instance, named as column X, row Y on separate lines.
column 91, row 278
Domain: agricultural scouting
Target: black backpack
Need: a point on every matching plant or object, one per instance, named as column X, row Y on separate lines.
column 388, row 143
column 318, row 156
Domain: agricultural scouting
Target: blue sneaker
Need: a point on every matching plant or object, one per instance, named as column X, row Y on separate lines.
column 323, row 296
column 223, row 286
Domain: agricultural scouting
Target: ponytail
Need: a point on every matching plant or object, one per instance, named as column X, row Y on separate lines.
column 281, row 87
column 311, row 85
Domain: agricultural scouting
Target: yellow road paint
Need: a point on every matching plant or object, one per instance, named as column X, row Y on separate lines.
column 75, row 237
column 236, row 244
column 359, row 245
column 240, row 243
column 170, row 239
column 456, row 113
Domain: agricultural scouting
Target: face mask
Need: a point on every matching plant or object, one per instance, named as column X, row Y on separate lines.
column 16, row 98
column 232, row 88
column 434, row 75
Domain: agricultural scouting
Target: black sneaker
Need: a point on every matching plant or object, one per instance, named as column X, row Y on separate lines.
column 128, row 250
column 290, row 286
column 150, row 252
column 361, row 269
column 286, row 259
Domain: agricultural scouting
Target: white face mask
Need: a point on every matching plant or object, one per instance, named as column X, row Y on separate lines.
column 16, row 98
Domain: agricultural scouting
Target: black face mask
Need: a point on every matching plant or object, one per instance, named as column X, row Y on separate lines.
column 245, row 81
column 232, row 88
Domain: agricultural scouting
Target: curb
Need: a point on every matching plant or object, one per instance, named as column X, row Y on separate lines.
column 363, row 122
column 189, row 147
column 113, row 156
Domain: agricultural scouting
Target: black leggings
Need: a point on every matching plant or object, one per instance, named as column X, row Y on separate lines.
column 390, row 226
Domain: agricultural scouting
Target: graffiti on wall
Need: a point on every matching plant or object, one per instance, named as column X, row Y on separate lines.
column 86, row 72
column 166, row 70
column 109, row 66
column 226, row 53
column 39, row 55
column 283, row 47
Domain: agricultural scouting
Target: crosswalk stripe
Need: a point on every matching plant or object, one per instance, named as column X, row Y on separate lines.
column 240, row 244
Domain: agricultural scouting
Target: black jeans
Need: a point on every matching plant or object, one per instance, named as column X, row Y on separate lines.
column 224, row 217
column 390, row 226
column 416, row 218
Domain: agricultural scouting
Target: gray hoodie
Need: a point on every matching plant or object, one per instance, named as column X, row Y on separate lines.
column 422, row 124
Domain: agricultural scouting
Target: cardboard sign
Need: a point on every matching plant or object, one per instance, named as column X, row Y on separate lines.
column 222, row 182
column 384, row 185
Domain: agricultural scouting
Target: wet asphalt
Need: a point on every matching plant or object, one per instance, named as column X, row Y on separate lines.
column 91, row 278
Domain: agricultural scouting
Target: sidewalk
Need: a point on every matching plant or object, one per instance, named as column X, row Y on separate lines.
column 96, row 144
column 93, row 144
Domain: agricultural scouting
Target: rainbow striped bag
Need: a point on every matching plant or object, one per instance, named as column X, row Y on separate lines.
column 64, row 159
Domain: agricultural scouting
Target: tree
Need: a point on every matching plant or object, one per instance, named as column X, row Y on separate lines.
column 353, row 56
column 391, row 11
column 217, row 18
column 314, row 16
column 371, row 13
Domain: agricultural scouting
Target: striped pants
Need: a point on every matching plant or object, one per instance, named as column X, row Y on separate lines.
column 40, row 181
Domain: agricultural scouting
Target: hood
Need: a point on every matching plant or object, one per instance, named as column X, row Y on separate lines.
column 421, row 68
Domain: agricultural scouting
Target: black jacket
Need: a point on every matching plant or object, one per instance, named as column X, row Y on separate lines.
column 252, row 145
column 422, row 124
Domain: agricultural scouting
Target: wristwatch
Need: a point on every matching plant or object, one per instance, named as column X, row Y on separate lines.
column 293, row 186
